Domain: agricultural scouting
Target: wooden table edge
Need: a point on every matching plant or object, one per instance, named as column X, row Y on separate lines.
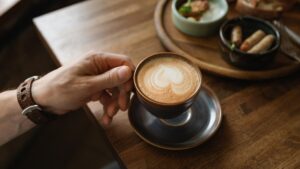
column 86, row 108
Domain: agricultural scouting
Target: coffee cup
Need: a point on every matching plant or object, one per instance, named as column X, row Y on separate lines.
column 167, row 84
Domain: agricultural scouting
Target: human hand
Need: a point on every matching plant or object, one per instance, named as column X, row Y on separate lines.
column 98, row 76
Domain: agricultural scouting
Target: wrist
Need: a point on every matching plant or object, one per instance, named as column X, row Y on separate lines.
column 35, row 112
column 41, row 94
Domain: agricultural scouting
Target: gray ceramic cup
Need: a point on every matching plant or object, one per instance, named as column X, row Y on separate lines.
column 161, row 110
column 203, row 28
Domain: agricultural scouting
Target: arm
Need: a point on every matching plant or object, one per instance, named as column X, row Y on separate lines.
column 98, row 76
column 12, row 122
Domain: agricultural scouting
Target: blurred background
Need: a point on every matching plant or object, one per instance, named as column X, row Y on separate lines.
column 22, row 55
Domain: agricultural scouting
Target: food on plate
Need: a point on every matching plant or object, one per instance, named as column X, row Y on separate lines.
column 194, row 8
column 267, row 9
column 256, row 43
column 263, row 45
column 252, row 40
column 236, row 35
column 273, row 5
column 191, row 19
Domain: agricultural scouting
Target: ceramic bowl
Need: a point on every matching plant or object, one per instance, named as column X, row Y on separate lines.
column 242, row 59
column 203, row 28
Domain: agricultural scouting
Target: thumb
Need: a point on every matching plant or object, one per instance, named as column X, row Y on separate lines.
column 112, row 78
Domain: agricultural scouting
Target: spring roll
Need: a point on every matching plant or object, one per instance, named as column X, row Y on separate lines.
column 252, row 40
column 236, row 36
column 263, row 45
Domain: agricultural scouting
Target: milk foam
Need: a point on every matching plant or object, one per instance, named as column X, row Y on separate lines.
column 168, row 80
column 167, row 76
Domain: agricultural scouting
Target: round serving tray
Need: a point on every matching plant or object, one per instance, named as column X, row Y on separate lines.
column 205, row 51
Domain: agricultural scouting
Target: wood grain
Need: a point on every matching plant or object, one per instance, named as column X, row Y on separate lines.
column 261, row 126
column 206, row 53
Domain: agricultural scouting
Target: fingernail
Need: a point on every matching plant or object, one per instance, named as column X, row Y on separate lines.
column 123, row 73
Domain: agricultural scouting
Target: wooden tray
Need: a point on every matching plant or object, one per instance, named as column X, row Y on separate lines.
column 205, row 51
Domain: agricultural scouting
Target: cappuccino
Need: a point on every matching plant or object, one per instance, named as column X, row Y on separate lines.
column 168, row 79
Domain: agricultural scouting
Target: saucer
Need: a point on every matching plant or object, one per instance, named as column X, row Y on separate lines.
column 189, row 130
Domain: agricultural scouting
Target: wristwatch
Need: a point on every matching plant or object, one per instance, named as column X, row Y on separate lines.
column 30, row 109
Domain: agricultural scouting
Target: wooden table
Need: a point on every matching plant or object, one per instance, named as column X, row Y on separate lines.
column 261, row 125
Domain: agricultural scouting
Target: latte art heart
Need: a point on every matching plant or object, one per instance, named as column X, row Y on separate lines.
column 166, row 77
column 168, row 80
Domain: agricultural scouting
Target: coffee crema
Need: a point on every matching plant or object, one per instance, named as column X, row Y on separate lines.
column 168, row 79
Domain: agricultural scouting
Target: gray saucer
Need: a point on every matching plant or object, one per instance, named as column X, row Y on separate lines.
column 189, row 130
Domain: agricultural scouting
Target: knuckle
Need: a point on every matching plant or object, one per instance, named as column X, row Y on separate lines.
column 108, row 77
column 91, row 54
column 111, row 77
column 101, row 54
column 126, row 58
column 128, row 61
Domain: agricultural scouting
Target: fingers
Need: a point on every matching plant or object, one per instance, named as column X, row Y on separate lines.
column 110, row 105
column 113, row 100
column 115, row 60
column 123, row 100
column 110, row 79
column 106, row 120
column 96, row 97
column 106, row 98
column 124, row 95
column 121, row 97
column 116, row 74
column 105, row 61
column 127, row 86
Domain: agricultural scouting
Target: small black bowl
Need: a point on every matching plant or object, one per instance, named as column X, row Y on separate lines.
column 242, row 59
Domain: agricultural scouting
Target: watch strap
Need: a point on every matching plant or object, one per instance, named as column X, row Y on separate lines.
column 24, row 93
column 33, row 111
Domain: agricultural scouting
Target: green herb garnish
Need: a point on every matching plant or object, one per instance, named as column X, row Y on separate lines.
column 186, row 8
column 232, row 46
